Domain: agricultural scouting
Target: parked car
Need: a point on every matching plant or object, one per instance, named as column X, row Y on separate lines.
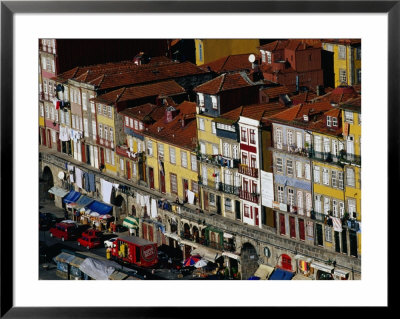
column 89, row 241
column 65, row 230
column 47, row 220
column 121, row 229
column 92, row 232
column 109, row 242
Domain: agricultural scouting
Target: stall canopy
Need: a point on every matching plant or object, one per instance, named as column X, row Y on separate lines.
column 131, row 222
column 280, row 274
column 98, row 207
column 58, row 191
column 264, row 272
column 83, row 201
column 72, row 197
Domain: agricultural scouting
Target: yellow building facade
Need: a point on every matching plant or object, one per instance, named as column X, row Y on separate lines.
column 208, row 50
column 346, row 61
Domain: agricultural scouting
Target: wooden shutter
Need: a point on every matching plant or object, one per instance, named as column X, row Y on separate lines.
column 292, row 227
column 301, row 229
column 282, row 224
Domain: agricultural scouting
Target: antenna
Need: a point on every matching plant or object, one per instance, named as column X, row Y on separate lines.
column 252, row 58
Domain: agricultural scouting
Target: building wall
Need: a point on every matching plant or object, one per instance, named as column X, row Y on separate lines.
column 213, row 49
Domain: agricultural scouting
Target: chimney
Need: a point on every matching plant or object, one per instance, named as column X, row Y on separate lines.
column 170, row 113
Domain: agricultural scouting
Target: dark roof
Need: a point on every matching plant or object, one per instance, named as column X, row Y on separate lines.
column 140, row 112
column 230, row 63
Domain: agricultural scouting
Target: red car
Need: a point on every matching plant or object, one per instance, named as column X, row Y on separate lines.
column 65, row 231
column 92, row 232
column 89, row 241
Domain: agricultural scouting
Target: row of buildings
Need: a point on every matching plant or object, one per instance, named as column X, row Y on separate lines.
column 260, row 160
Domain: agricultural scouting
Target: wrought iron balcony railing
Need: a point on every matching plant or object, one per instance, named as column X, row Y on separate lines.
column 251, row 197
column 249, row 171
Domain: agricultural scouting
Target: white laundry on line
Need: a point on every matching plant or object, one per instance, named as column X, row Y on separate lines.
column 190, row 196
column 106, row 189
column 153, row 208
column 78, row 174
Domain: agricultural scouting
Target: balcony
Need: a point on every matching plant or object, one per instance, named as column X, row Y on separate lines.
column 249, row 171
column 348, row 158
column 251, row 197
column 210, row 183
column 218, row 160
column 318, row 216
column 291, row 149
column 229, row 189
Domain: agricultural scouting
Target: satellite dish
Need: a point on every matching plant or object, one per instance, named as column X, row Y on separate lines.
column 61, row 175
column 252, row 58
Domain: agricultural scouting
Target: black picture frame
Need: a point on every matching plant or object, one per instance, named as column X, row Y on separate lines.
column 9, row 8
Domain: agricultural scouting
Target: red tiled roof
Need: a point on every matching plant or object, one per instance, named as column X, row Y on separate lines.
column 353, row 104
column 342, row 41
column 139, row 112
column 162, row 72
column 291, row 44
column 339, row 95
column 253, row 111
column 238, row 62
column 274, row 92
column 224, row 82
column 165, row 88
column 274, row 46
column 173, row 132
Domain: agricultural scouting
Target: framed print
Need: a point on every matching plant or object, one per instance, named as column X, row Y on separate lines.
column 27, row 27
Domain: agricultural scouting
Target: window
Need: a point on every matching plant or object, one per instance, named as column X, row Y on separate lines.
column 282, row 222
column 342, row 76
column 101, row 130
column 244, row 159
column 184, row 159
column 126, row 121
column 200, row 52
column 160, row 151
column 334, row 208
column 340, row 176
column 292, row 226
column 301, row 229
column 334, row 121
column 150, row 148
column 342, row 52
column 351, row 206
column 172, row 155
column 214, row 102
column 193, row 161
column 243, row 135
column 252, row 137
column 318, row 143
column 329, row 121
column 307, row 171
column 48, row 64
column 348, row 116
column 350, row 177
column 328, row 234
column 225, row 147
column 246, row 211
column 136, row 124
column 202, row 148
column 228, row 204
column 308, row 203
column 52, row 113
column 121, row 164
column 235, row 152
column 106, row 133
column 309, row 229
column 334, row 179
column 195, row 187
column 130, row 123
column 86, row 127
column 327, row 205
column 290, row 139
column 45, row 86
column 109, row 111
column 174, row 185
column 84, row 102
column 105, row 111
column 67, row 119
column 269, row 57
column 308, row 141
column 141, row 127
column 327, row 146
column 289, row 167
column 201, row 124
column 325, row 176
column 280, row 194
column 316, row 175
column 215, row 149
column 299, row 140
column 66, row 93
column 358, row 75
column 43, row 63
column 300, row 202
column 341, row 209
column 278, row 138
column 318, row 203
column 291, row 197
column 99, row 109
column 201, row 99
column 92, row 104
column 214, row 131
column 211, row 198
column 107, row 155
column 359, row 118
column 53, row 136
column 299, row 170
column 94, row 129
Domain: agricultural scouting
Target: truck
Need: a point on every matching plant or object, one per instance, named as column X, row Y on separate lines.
column 134, row 250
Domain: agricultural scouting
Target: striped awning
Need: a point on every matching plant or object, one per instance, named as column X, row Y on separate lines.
column 131, row 222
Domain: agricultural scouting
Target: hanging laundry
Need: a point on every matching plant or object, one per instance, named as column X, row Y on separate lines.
column 142, row 201
column 106, row 188
column 78, row 175
column 190, row 196
column 86, row 179
column 153, row 208
column 92, row 183
column 138, row 199
column 337, row 224
column 64, row 134
column 113, row 195
column 359, row 227
column 147, row 203
column 71, row 173
column 58, row 104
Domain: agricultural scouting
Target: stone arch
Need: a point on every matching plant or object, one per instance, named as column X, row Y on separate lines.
column 186, row 230
column 120, row 207
column 248, row 260
column 196, row 234
column 45, row 183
